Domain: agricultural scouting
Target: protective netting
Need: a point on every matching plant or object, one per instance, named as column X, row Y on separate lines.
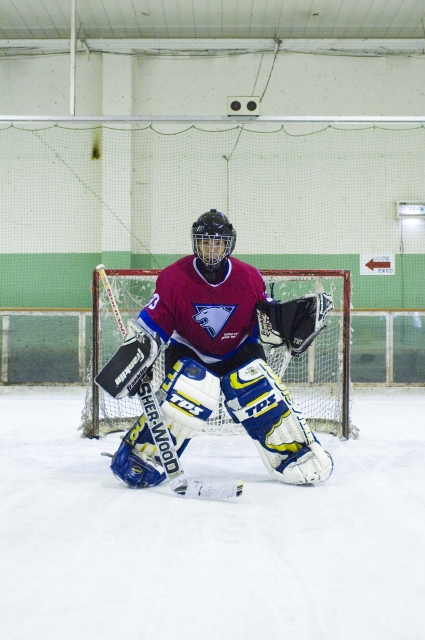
column 73, row 197
column 315, row 379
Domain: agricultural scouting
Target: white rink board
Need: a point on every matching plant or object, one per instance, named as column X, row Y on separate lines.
column 84, row 557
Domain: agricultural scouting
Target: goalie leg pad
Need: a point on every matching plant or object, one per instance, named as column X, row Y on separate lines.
column 308, row 465
column 257, row 398
column 136, row 469
column 135, row 461
column 188, row 395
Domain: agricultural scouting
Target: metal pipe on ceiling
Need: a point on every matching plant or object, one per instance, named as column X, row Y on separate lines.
column 73, row 44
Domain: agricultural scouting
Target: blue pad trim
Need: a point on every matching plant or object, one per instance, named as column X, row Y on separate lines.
column 253, row 403
column 293, row 457
column 134, row 471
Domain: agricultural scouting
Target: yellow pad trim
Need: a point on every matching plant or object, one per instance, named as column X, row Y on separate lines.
column 272, row 406
column 180, row 393
column 257, row 400
column 166, row 385
column 138, row 427
column 285, row 446
column 148, row 448
column 293, row 447
column 240, row 385
column 176, row 406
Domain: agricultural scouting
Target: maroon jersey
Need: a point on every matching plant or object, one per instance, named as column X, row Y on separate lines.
column 212, row 319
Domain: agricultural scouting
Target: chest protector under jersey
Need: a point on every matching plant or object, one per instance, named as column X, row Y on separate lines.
column 212, row 319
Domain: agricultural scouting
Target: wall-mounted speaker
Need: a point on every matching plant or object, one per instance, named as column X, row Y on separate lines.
column 243, row 106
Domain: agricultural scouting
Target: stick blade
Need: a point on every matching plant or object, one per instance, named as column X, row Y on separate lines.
column 214, row 490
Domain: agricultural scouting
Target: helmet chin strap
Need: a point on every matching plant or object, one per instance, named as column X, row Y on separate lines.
column 214, row 274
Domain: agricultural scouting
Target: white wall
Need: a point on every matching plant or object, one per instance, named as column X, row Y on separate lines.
column 301, row 84
column 132, row 191
column 40, row 85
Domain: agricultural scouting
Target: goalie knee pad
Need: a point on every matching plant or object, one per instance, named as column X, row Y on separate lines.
column 257, row 398
column 188, row 397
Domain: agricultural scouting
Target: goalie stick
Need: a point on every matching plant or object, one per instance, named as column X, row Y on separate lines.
column 161, row 435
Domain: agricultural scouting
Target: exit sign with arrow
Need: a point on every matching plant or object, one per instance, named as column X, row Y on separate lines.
column 377, row 265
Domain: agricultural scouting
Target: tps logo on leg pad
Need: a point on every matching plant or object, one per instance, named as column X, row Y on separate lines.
column 188, row 406
column 258, row 406
column 262, row 409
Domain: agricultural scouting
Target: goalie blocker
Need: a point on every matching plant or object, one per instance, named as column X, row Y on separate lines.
column 294, row 323
column 129, row 364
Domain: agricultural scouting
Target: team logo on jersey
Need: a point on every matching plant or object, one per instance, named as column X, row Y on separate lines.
column 213, row 317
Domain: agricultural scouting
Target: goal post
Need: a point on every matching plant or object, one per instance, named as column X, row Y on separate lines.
column 342, row 340
column 319, row 380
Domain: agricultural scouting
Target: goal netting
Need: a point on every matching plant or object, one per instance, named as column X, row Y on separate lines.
column 319, row 380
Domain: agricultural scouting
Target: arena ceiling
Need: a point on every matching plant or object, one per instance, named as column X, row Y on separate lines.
column 200, row 19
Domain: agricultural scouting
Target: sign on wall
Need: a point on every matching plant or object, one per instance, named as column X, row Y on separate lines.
column 377, row 265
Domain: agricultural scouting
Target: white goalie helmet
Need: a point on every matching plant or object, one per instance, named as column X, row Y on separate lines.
column 213, row 238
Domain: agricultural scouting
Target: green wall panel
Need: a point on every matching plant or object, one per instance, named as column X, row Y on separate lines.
column 63, row 280
column 404, row 290
column 368, row 349
column 409, row 349
column 43, row 349
column 42, row 281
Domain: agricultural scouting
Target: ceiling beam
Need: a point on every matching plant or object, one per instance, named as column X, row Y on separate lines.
column 209, row 46
column 221, row 119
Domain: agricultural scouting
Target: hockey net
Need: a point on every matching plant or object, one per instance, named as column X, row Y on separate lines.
column 319, row 380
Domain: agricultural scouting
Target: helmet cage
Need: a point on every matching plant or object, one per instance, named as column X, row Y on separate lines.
column 212, row 249
column 213, row 239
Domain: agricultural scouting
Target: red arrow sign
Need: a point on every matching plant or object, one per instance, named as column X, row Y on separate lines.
column 378, row 265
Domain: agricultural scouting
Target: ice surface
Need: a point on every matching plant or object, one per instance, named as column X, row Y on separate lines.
column 85, row 558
